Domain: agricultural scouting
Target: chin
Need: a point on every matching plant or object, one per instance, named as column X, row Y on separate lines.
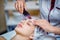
column 22, row 31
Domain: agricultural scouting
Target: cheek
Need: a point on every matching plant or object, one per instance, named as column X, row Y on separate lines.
column 28, row 30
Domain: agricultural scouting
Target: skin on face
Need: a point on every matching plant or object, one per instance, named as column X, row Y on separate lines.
column 25, row 28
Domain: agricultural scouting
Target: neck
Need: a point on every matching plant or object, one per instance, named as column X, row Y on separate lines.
column 20, row 37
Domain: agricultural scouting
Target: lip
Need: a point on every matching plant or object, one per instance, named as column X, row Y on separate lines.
column 19, row 25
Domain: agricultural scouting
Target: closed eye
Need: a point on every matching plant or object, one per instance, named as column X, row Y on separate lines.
column 28, row 24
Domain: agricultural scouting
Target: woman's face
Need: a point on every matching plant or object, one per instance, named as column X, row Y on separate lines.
column 25, row 28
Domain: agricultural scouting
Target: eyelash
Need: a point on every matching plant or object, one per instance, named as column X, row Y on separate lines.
column 28, row 24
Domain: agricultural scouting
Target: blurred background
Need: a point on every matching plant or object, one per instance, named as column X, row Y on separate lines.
column 10, row 17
